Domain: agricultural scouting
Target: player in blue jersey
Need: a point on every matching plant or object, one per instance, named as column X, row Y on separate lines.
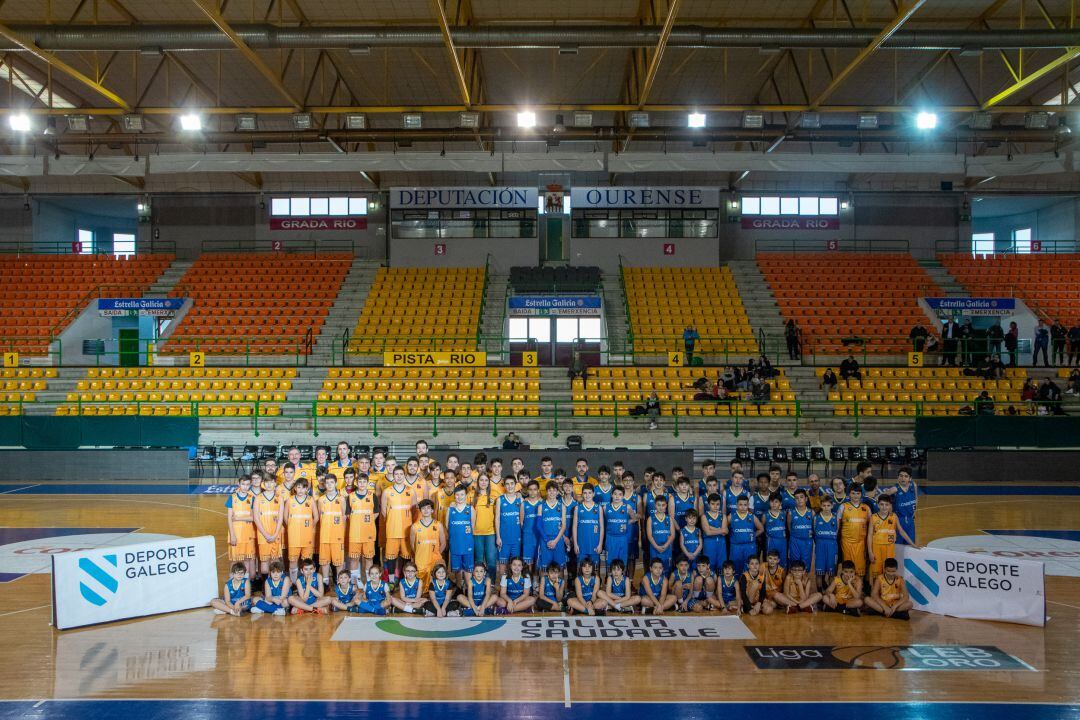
column 632, row 498
column 604, row 486
column 731, row 493
column 826, row 526
column 905, row 496
column 728, row 591
column 690, row 542
column 551, row 589
column 515, row 590
column 376, row 594
column 703, row 596
column 588, row 527
column 660, row 533
column 530, row 516
column 587, row 598
column 776, row 529
column 569, row 499
column 345, row 598
column 236, row 594
column 618, row 591
column 801, row 531
column 743, row 531
column 682, row 584
column 655, row 598
column 551, row 530
column 714, row 532
column 508, row 515
column 682, row 499
column 410, row 596
column 442, row 593
column 787, row 492
column 476, row 597
column 276, row 589
column 460, row 521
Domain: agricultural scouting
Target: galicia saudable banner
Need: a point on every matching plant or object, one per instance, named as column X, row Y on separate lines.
column 970, row 585
column 119, row 582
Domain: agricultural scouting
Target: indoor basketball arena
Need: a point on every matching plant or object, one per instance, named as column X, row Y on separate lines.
column 621, row 360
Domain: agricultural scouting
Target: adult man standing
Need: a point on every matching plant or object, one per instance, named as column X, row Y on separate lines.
column 304, row 470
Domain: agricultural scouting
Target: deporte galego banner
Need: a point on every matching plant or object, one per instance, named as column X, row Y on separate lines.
column 119, row 582
column 970, row 585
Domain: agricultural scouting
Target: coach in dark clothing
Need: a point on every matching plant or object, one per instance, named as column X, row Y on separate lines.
column 1074, row 344
column 1012, row 342
column 950, row 338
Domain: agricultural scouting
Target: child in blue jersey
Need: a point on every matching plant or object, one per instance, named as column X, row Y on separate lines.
column 732, row 492
column 604, row 486
column 787, row 492
column 708, row 472
column 515, row 590
column 703, row 595
column 376, row 594
column 728, row 592
column 714, row 531
column 682, row 584
column 309, row 591
column 660, row 532
column 776, row 529
column 712, row 487
column 655, row 598
column 632, row 498
column 618, row 591
column 743, row 531
column 460, row 521
column 508, row 512
column 551, row 530
column 682, row 499
column 530, row 515
column 276, row 588
column 826, row 526
column 801, row 530
column 551, row 590
column 476, row 597
column 587, row 598
column 345, row 598
column 441, row 593
column 588, row 527
column 618, row 517
column 905, row 496
column 236, row 593
column 690, row 542
column 410, row 593
column 569, row 502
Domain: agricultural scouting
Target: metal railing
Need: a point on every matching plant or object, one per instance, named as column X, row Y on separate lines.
column 284, row 245
column 254, row 350
column 56, row 247
column 1043, row 246
column 823, row 244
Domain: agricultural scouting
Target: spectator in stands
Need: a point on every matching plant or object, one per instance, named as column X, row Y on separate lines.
column 984, row 404
column 578, row 368
column 760, row 391
column 1050, row 398
column 793, row 337
column 511, row 442
column 705, row 391
column 729, row 378
column 967, row 345
column 828, row 380
column 918, row 337
column 690, row 337
column 996, row 369
column 1058, row 335
column 1012, row 344
column 994, row 337
column 950, row 337
column 1029, row 393
column 652, row 409
column 849, row 368
column 765, row 369
column 1041, row 343
column 1074, row 344
column 1073, row 385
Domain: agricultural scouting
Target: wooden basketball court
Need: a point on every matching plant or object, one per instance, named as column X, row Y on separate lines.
column 184, row 664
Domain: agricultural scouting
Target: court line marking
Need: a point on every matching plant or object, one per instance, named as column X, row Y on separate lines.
column 39, row 703
column 566, row 674
column 121, row 536
column 5, row 492
column 158, row 502
column 16, row 612
column 989, row 502
column 428, row 701
column 1055, row 602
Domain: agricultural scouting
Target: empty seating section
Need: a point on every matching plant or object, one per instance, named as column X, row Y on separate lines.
column 938, row 391
column 629, row 386
column 19, row 386
column 420, row 308
column 1049, row 283
column 256, row 302
column 38, row 293
column 834, row 296
column 554, row 279
column 180, row 391
column 408, row 392
column 663, row 301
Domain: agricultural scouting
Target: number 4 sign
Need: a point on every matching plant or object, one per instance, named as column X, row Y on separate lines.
column 669, row 248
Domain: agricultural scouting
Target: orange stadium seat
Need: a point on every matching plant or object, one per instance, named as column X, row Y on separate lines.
column 41, row 294
column 1049, row 283
column 833, row 296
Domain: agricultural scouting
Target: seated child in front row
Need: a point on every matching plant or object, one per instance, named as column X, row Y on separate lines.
column 703, row 594
column 549, row 597
column 309, row 591
column 477, row 599
column 889, row 596
column 799, row 594
column 276, row 589
column 728, row 597
column 654, row 589
column 844, row 593
column 515, row 589
column 618, row 592
column 236, row 594
column 376, row 594
column 410, row 597
column 442, row 593
column 587, row 598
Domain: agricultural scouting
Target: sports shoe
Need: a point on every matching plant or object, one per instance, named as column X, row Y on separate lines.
column 901, row 615
column 280, row 612
column 501, row 611
column 791, row 609
column 220, row 612
column 256, row 610
column 428, row 613
column 298, row 611
column 454, row 613
column 322, row 611
column 809, row 609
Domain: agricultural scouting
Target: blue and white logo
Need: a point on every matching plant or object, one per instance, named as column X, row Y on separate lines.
column 97, row 583
column 922, row 580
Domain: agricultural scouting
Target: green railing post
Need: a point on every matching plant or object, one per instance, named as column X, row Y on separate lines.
column 798, row 414
column 78, row 405
column 555, row 428
column 315, row 418
column 256, row 423
column 374, row 418
column 735, row 405
column 434, row 418
column 615, row 431
column 855, row 404
column 676, row 433
column 495, row 419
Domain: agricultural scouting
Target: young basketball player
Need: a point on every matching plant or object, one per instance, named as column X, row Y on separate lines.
column 844, row 593
column 276, row 589
column 712, row 487
column 853, row 518
column 801, row 531
column 618, row 518
column 551, row 588
column 728, row 591
column 604, row 486
column 551, row 530
column 889, row 595
column 444, row 496
column 397, row 503
column 332, row 515
column 363, row 510
column 703, row 596
column 477, row 599
column 881, row 537
column 530, row 514
column 776, row 529
column 508, row 516
column 660, row 533
column 345, row 598
column 460, row 521
column 309, row 587
column 690, row 543
column 713, row 530
column 743, row 531
column 376, row 600
column 410, row 594
column 682, row 499
column 240, row 512
column 752, row 586
column 268, row 513
column 905, row 496
column 441, row 592
column 427, row 540
column 588, row 527
column 799, row 594
column 236, row 594
column 825, row 549
column 681, row 584
column 484, row 548
column 632, row 498
column 618, row 592
column 774, row 581
column 515, row 589
column 586, row 599
column 654, row 589
column 301, row 517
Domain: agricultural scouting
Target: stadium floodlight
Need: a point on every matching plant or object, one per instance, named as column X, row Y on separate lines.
column 78, row 123
column 695, row 120
column 753, row 120
column 867, row 121
column 302, row 121
column 582, row 119
column 412, row 121
column 926, row 120
column 247, row 122
column 191, row 122
column 132, row 122
column 981, row 120
column 639, row 119
column 526, row 119
column 19, row 122
column 355, row 121
column 1037, row 121
column 469, row 120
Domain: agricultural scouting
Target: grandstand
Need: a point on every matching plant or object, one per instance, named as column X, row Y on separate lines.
column 1049, row 283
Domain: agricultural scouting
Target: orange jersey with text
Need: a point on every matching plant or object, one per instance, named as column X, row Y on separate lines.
column 331, row 519
column 398, row 504
column 268, row 510
column 854, row 523
column 361, row 518
column 301, row 522
column 883, row 529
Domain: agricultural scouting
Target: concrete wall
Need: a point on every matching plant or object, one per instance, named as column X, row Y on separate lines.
column 465, row 252
column 1058, row 222
column 606, row 252
column 56, row 221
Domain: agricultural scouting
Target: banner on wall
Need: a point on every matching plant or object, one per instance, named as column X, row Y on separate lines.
column 644, row 197
column 558, row 305
column 435, row 198
column 973, row 306
column 434, row 359
column 758, row 222
column 116, row 583
column 970, row 585
column 318, row 224
column 124, row 307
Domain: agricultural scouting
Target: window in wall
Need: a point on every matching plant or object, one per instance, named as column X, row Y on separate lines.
column 566, row 329
column 770, row 206
column 751, row 206
column 982, row 243
column 1022, row 240
column 123, row 244
column 519, row 329
column 540, row 329
column 86, row 241
column 805, row 205
column 789, row 206
column 828, row 206
column 589, row 329
column 319, row 206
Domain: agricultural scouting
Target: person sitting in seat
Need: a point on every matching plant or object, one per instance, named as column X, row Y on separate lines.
column 849, row 368
column 984, row 404
column 760, row 391
column 828, row 380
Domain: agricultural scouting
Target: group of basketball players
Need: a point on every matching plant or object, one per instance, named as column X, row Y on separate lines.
column 459, row 538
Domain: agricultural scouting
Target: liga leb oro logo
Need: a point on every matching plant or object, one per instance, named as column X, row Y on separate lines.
column 883, row 657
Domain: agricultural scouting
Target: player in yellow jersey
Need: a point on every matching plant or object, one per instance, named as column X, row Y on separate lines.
column 301, row 517
column 302, row 469
column 427, row 538
column 343, row 461
column 889, row 595
column 495, row 472
column 240, row 506
column 363, row 510
column 331, row 507
column 444, row 496
column 881, row 536
column 854, row 519
column 774, row 581
column 396, row 505
column 268, row 524
column 287, row 480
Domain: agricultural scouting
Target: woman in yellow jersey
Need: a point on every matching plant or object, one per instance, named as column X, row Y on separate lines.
column 268, row 526
column 484, row 550
column 854, row 519
column 240, row 506
column 881, row 537
column 301, row 517
column 363, row 510
column 331, row 530
column 428, row 541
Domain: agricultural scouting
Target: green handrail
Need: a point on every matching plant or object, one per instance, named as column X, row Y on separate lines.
column 626, row 307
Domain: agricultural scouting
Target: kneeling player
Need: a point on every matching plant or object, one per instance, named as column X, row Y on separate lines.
column 889, row 596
